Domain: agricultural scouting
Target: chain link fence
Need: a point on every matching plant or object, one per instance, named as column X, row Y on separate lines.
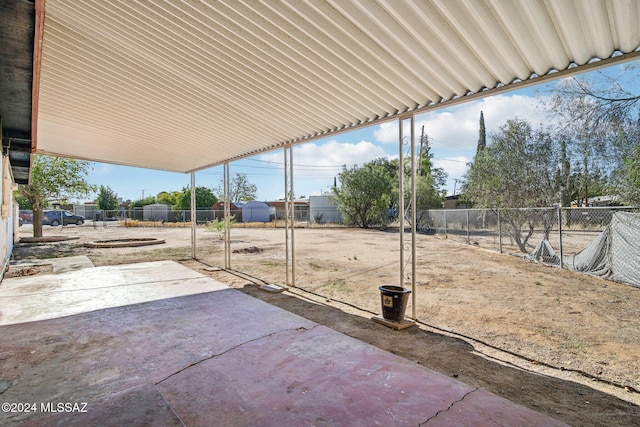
column 550, row 235
column 567, row 237
column 164, row 216
column 519, row 230
column 573, row 238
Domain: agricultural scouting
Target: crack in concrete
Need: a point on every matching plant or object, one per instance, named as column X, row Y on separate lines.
column 300, row 328
column 450, row 406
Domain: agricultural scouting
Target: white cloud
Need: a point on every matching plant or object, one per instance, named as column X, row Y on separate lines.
column 327, row 158
column 317, row 164
column 457, row 128
column 387, row 133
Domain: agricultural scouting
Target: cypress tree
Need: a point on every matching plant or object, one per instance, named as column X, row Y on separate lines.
column 482, row 139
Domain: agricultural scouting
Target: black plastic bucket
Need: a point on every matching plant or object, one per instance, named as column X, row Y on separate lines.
column 394, row 302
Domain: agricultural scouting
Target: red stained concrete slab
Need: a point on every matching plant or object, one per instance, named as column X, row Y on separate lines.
column 224, row 358
column 320, row 377
column 93, row 355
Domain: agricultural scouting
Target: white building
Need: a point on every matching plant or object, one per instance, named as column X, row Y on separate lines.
column 323, row 210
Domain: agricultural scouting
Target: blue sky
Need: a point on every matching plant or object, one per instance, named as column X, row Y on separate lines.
column 453, row 134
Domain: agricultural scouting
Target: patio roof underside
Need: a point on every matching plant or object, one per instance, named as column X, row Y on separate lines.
column 183, row 85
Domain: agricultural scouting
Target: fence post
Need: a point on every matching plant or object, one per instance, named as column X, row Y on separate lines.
column 468, row 236
column 499, row 232
column 560, row 234
column 445, row 224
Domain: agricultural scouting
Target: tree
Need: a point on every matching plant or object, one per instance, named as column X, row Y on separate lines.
column 482, row 137
column 611, row 97
column 364, row 195
column 516, row 171
column 167, row 198
column 107, row 199
column 629, row 178
column 143, row 202
column 601, row 117
column 204, row 198
column 23, row 202
column 564, row 179
column 591, row 148
column 430, row 180
column 54, row 178
column 240, row 189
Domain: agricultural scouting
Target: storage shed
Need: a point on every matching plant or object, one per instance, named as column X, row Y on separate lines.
column 258, row 212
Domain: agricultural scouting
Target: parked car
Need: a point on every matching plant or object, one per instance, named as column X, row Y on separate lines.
column 55, row 218
column 25, row 215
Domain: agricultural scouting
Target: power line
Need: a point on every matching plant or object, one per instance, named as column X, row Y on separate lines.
column 295, row 164
column 451, row 160
column 454, row 146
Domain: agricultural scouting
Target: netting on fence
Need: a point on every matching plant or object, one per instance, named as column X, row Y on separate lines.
column 615, row 253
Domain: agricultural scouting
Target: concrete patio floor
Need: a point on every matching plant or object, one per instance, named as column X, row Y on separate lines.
column 159, row 344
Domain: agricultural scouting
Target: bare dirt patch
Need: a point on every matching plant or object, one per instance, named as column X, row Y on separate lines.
column 559, row 342
column 249, row 250
column 32, row 270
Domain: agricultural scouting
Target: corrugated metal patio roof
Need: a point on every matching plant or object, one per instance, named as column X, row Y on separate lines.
column 182, row 85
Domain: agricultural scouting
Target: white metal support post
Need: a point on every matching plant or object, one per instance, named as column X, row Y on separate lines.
column 401, row 198
column 560, row 235
column 413, row 218
column 193, row 215
column 292, row 212
column 287, row 276
column 227, row 218
column 289, row 219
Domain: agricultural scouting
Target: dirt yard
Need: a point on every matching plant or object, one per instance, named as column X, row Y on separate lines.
column 561, row 343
